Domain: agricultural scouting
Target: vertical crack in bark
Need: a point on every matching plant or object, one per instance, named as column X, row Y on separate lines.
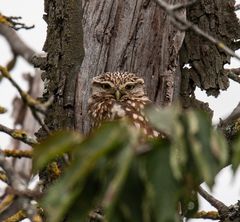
column 136, row 33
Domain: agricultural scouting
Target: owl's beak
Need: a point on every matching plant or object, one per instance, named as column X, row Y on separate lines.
column 117, row 94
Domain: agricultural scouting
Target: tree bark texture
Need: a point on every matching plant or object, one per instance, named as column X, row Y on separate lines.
column 64, row 57
column 218, row 19
column 135, row 36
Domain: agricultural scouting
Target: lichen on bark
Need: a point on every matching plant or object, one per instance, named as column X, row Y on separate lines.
column 65, row 52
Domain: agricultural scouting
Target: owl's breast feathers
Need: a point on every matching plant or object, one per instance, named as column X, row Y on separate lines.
column 109, row 109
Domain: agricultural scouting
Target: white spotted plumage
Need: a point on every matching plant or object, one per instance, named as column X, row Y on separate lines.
column 120, row 94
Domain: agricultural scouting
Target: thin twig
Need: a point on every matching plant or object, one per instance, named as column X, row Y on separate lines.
column 231, row 118
column 237, row 7
column 236, row 71
column 8, row 199
column 19, row 216
column 18, row 135
column 18, row 46
column 2, row 110
column 213, row 215
column 31, row 102
column 6, row 166
column 17, row 153
column 34, row 105
column 234, row 77
column 185, row 24
column 40, row 121
column 3, row 176
column 13, row 22
column 183, row 5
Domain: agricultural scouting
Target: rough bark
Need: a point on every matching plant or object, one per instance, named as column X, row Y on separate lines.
column 64, row 56
column 134, row 36
column 219, row 20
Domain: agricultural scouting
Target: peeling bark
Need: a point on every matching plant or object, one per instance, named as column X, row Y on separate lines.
column 219, row 20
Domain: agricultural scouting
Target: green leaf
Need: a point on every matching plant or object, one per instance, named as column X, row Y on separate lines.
column 88, row 156
column 115, row 186
column 161, row 186
column 164, row 119
column 200, row 138
column 129, row 206
column 54, row 146
column 178, row 151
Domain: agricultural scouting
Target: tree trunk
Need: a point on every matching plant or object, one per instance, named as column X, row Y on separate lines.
column 135, row 36
column 64, row 57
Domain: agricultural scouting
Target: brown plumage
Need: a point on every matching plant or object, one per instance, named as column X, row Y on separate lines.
column 120, row 94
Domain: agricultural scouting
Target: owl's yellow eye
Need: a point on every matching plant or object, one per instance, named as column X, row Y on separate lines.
column 106, row 86
column 129, row 86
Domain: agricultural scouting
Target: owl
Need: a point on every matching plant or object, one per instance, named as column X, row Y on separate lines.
column 116, row 95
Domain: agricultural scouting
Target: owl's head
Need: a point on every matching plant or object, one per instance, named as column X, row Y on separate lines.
column 118, row 85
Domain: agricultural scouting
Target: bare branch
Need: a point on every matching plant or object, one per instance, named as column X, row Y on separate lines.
column 233, row 74
column 221, row 207
column 183, row 5
column 13, row 21
column 18, row 135
column 34, row 105
column 8, row 199
column 19, row 216
column 213, row 215
column 17, row 153
column 3, row 176
column 184, row 24
column 237, row 7
column 235, row 71
column 231, row 118
column 234, row 77
column 18, row 47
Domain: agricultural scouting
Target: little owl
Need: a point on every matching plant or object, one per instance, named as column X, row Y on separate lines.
column 120, row 94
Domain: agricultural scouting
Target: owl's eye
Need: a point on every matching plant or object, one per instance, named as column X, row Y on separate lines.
column 129, row 87
column 106, row 86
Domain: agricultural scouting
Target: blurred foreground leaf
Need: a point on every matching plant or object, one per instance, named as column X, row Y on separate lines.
column 88, row 156
column 108, row 173
column 194, row 142
column 54, row 146
column 162, row 189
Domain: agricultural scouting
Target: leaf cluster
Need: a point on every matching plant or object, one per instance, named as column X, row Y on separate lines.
column 108, row 174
